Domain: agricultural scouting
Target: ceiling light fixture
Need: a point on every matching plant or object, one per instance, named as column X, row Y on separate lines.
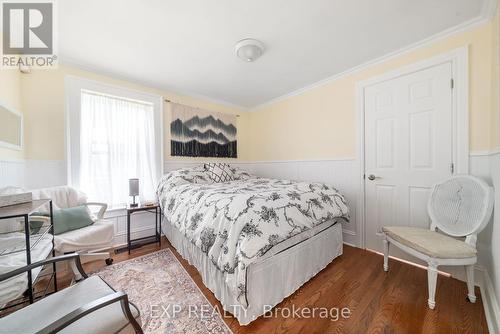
column 249, row 49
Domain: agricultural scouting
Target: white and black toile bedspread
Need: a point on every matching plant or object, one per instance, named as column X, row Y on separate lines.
column 237, row 222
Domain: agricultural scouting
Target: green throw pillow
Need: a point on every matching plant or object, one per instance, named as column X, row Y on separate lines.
column 36, row 225
column 70, row 219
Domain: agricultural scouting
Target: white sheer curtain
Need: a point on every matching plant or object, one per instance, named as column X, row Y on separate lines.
column 117, row 142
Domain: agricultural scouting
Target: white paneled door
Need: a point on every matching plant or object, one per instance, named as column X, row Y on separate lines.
column 408, row 147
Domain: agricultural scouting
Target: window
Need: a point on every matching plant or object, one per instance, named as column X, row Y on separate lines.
column 114, row 135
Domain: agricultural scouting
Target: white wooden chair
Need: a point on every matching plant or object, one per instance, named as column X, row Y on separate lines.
column 460, row 206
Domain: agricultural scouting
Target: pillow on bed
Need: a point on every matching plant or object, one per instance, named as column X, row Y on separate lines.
column 175, row 178
column 240, row 174
column 181, row 176
column 219, row 172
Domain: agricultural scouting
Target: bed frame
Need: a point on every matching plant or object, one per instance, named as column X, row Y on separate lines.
column 270, row 280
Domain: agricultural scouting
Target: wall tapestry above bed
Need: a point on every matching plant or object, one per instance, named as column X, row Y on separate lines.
column 200, row 133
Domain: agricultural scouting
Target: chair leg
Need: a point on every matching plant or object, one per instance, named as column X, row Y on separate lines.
column 432, row 281
column 91, row 256
column 386, row 254
column 469, row 270
column 75, row 271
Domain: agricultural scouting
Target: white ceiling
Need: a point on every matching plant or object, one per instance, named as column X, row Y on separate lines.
column 188, row 45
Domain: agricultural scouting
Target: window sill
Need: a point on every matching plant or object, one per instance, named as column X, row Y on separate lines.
column 116, row 211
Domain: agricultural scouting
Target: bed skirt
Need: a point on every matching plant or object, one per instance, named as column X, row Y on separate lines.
column 268, row 281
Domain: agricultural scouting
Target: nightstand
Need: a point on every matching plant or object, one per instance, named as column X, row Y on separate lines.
column 136, row 243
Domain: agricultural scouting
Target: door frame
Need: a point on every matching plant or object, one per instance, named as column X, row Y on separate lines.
column 460, row 117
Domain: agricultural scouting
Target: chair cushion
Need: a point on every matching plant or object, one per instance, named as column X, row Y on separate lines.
column 430, row 243
column 109, row 319
column 98, row 235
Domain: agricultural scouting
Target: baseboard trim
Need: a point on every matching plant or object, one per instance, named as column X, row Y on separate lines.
column 490, row 303
column 134, row 234
column 488, row 296
column 349, row 244
column 349, row 232
column 458, row 272
column 482, row 280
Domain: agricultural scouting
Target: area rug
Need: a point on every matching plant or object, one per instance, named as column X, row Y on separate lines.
column 165, row 294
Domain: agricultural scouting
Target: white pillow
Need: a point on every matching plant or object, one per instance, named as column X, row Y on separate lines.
column 241, row 175
column 219, row 172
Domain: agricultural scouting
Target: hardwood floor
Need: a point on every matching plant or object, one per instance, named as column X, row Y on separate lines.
column 394, row 302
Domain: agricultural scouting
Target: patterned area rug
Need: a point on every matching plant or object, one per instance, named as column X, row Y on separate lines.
column 169, row 300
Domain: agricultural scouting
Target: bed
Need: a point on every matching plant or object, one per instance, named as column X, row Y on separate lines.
column 254, row 240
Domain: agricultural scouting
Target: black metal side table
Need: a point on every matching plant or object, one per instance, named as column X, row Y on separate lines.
column 32, row 240
column 139, row 242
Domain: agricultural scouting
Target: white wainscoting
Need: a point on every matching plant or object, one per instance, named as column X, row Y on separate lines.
column 480, row 166
column 490, row 287
column 12, row 173
column 342, row 173
column 32, row 174
column 142, row 224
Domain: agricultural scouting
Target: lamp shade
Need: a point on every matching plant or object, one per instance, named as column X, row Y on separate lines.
column 133, row 187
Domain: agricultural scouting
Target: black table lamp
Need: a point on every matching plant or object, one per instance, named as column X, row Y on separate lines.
column 133, row 190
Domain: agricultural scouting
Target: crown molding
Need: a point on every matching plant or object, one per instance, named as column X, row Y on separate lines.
column 489, row 9
column 164, row 90
column 487, row 13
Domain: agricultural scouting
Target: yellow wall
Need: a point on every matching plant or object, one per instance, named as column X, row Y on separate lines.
column 10, row 95
column 44, row 111
column 317, row 124
column 495, row 86
column 321, row 123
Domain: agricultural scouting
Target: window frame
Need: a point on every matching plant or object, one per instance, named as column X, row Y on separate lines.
column 73, row 87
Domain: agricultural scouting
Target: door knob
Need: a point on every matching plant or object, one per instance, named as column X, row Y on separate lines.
column 371, row 177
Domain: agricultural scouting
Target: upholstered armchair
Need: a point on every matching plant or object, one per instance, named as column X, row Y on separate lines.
column 88, row 241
